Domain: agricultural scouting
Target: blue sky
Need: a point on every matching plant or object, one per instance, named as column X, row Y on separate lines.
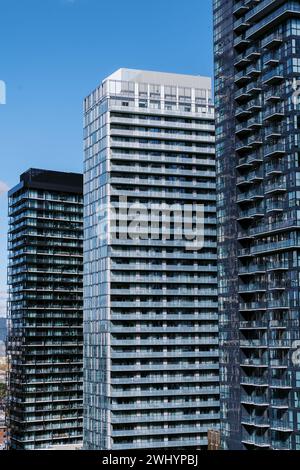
column 54, row 52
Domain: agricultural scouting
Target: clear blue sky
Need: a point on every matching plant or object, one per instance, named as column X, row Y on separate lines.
column 54, row 52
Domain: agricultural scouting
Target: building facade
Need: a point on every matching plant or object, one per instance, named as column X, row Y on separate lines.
column 257, row 60
column 45, row 276
column 150, row 303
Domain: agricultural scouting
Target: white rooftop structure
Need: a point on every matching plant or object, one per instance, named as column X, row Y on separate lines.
column 161, row 78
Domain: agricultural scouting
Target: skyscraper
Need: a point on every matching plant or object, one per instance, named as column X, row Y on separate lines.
column 150, row 303
column 257, row 57
column 45, row 310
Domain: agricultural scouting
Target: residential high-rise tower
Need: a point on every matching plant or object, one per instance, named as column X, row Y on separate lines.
column 257, row 68
column 45, row 310
column 150, row 302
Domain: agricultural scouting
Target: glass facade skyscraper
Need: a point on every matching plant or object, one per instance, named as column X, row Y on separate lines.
column 257, row 57
column 150, row 305
column 45, row 274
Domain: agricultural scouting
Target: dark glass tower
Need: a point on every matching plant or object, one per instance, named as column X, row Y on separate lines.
column 257, row 65
column 45, row 310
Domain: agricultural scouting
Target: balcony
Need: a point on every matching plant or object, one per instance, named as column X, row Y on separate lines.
column 255, row 122
column 274, row 206
column 253, row 344
column 241, row 78
column 250, row 196
column 273, row 77
column 249, row 306
column 274, row 168
column 253, row 70
column 255, row 212
column 276, row 150
column 271, row 59
column 252, row 268
column 255, row 382
column 243, row 146
column 240, row 8
column 280, row 383
column 251, row 288
column 255, row 400
column 278, row 186
column 253, row 177
column 241, row 42
column 273, row 132
column 274, row 113
column 254, row 105
column 282, row 426
column 249, row 160
column 255, row 140
column 256, row 421
column 274, row 94
column 271, row 41
column 280, row 344
column 242, row 129
column 256, row 441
